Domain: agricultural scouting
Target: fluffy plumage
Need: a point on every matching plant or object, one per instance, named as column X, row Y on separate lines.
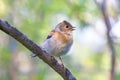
column 59, row 40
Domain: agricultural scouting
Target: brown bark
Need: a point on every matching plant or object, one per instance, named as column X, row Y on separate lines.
column 50, row 60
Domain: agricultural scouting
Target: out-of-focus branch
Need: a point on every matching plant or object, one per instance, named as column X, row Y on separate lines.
column 110, row 41
column 50, row 60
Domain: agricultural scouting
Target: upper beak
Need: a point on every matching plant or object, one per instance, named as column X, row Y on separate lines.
column 73, row 28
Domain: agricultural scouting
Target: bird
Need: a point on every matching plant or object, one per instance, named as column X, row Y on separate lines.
column 60, row 40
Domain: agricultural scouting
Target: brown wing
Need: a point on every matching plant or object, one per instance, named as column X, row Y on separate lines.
column 51, row 34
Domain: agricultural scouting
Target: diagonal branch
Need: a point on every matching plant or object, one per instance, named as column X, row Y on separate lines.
column 110, row 41
column 51, row 61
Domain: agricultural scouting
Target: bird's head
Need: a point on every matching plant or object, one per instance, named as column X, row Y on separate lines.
column 65, row 27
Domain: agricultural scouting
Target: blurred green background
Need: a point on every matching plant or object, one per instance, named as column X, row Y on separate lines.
column 89, row 58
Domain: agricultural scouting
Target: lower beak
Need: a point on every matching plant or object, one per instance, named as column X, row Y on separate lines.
column 73, row 28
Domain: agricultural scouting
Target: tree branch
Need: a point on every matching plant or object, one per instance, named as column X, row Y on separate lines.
column 110, row 41
column 50, row 60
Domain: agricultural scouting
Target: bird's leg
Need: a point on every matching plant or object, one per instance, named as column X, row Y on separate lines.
column 62, row 65
column 62, row 62
column 53, row 60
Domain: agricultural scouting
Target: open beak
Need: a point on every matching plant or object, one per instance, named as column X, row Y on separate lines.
column 73, row 28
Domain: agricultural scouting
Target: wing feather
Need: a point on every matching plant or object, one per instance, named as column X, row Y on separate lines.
column 51, row 34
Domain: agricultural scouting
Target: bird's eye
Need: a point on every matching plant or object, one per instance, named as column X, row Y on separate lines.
column 66, row 26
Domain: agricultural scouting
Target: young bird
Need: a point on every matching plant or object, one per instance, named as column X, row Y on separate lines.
column 60, row 40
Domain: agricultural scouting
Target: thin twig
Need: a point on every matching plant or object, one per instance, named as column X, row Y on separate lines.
column 51, row 61
column 110, row 41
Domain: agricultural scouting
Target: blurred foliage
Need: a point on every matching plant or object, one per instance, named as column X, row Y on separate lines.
column 36, row 18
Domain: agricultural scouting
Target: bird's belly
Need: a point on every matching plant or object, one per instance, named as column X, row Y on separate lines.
column 56, row 48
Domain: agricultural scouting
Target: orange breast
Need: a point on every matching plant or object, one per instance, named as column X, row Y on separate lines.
column 65, row 39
